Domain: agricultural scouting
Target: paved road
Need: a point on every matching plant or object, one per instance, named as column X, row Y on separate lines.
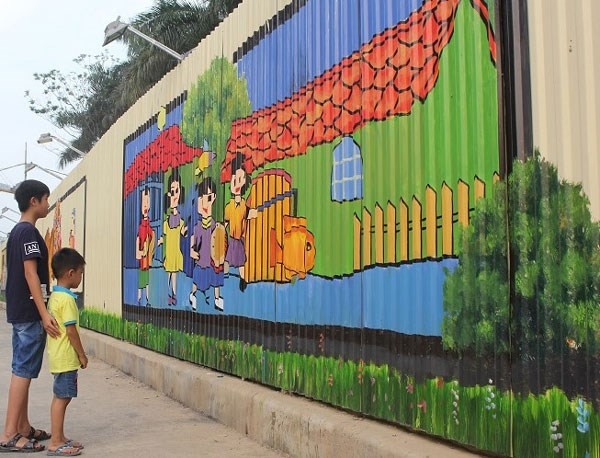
column 116, row 415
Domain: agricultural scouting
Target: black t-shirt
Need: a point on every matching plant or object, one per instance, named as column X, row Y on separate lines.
column 24, row 242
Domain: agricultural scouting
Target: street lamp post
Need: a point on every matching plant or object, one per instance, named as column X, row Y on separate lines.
column 117, row 28
column 8, row 209
column 10, row 219
column 47, row 138
column 7, row 188
column 30, row 166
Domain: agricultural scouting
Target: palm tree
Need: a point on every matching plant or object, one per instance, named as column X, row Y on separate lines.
column 180, row 25
column 89, row 102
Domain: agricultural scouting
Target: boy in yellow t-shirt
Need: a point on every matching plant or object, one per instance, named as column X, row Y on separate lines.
column 66, row 353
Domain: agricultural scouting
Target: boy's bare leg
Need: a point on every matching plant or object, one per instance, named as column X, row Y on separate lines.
column 16, row 410
column 23, row 424
column 57, row 419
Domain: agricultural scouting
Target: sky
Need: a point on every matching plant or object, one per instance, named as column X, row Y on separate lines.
column 38, row 36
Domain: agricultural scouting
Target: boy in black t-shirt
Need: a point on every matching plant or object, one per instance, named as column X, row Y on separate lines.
column 26, row 292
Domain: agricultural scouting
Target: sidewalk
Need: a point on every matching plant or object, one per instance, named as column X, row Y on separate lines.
column 116, row 414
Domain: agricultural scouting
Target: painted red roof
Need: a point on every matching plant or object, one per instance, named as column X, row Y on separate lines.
column 167, row 150
column 382, row 79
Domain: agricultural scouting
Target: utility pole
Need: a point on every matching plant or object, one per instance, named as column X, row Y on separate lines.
column 25, row 163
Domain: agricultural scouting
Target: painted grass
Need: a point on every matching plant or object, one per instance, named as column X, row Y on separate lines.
column 479, row 416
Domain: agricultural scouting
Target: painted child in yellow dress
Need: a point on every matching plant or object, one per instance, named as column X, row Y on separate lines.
column 174, row 228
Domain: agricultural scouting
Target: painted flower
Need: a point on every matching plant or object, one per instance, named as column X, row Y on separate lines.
column 583, row 414
column 555, row 436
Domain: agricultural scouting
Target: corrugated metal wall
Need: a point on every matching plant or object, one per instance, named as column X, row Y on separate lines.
column 555, row 233
column 565, row 67
column 313, row 200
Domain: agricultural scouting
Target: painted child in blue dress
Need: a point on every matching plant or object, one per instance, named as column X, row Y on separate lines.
column 206, row 273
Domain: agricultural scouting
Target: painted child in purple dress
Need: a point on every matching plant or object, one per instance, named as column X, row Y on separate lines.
column 206, row 274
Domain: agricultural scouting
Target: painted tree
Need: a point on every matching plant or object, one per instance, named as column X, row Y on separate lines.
column 213, row 103
column 555, row 247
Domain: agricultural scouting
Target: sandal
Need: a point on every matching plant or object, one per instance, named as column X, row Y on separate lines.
column 30, row 446
column 65, row 449
column 38, row 434
column 75, row 444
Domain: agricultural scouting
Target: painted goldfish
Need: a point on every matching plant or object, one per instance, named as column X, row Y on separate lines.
column 571, row 343
column 296, row 253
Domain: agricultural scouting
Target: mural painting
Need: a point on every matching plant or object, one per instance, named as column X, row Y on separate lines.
column 64, row 228
column 311, row 215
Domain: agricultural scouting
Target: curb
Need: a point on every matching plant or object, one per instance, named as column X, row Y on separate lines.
column 294, row 425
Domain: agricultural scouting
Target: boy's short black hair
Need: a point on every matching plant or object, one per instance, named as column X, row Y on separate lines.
column 64, row 260
column 28, row 189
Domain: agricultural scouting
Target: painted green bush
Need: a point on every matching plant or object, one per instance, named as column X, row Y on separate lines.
column 556, row 253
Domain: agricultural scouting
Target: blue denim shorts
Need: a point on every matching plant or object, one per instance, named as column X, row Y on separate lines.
column 28, row 342
column 65, row 385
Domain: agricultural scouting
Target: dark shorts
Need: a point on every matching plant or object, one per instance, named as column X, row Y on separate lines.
column 65, row 385
column 236, row 255
column 28, row 343
column 205, row 277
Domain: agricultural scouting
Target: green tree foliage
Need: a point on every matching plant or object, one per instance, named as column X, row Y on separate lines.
column 80, row 102
column 86, row 103
column 178, row 24
column 217, row 99
column 555, row 248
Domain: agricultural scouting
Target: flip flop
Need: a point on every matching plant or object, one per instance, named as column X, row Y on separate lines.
column 31, row 446
column 65, row 449
column 41, row 434
column 75, row 444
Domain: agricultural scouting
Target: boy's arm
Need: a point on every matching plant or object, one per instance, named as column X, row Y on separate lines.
column 75, row 340
column 35, row 288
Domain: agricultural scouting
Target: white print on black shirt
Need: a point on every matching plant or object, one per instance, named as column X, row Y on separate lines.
column 45, row 294
column 31, row 247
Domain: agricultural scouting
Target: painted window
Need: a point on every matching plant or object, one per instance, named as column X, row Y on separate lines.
column 347, row 176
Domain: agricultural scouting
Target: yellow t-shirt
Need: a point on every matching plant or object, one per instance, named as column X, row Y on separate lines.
column 235, row 215
column 62, row 356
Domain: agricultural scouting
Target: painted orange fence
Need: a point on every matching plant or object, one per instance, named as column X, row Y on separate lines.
column 271, row 195
column 420, row 230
